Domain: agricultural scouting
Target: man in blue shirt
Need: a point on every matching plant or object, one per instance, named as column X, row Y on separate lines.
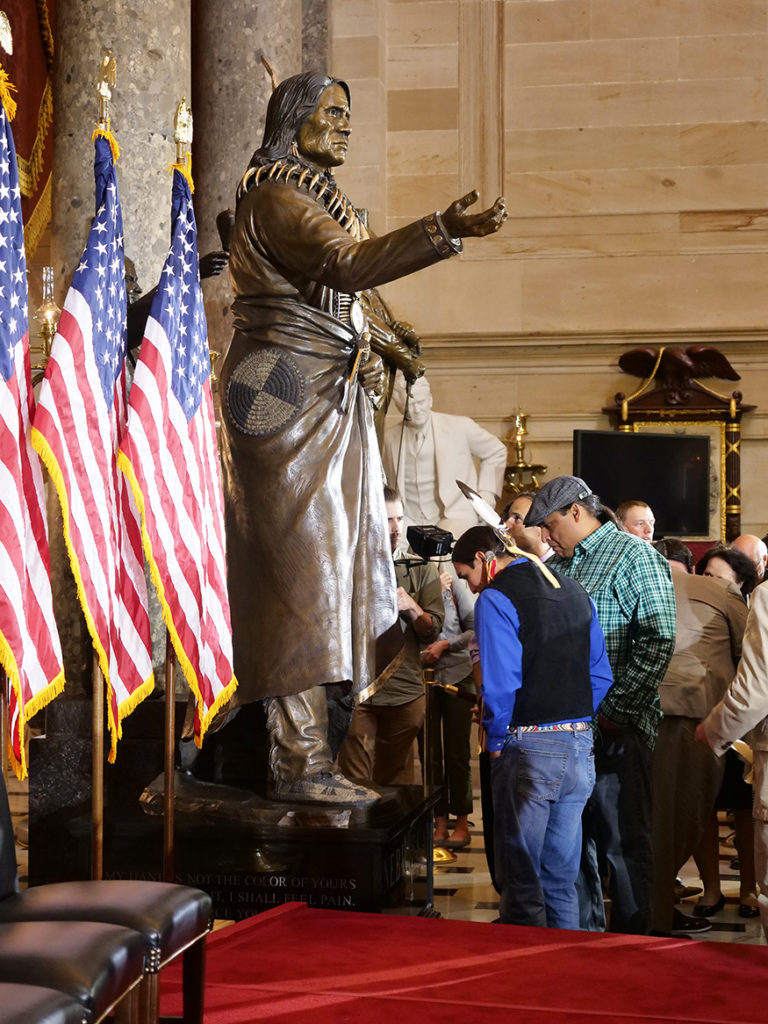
column 545, row 670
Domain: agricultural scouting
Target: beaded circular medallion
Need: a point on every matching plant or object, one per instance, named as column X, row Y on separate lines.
column 265, row 392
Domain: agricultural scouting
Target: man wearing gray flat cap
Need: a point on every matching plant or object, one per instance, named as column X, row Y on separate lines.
column 631, row 586
column 556, row 494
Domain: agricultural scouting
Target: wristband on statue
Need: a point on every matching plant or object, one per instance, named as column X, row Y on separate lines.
column 436, row 233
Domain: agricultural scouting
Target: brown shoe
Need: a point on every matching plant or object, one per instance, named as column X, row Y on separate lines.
column 457, row 844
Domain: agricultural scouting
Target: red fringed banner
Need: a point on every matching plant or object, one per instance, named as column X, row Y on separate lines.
column 30, row 69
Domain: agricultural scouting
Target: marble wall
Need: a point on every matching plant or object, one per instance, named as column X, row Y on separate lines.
column 631, row 142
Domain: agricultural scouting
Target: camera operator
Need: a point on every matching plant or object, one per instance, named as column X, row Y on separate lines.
column 450, row 719
column 379, row 745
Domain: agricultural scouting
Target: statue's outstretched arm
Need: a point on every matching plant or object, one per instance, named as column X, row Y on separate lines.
column 296, row 233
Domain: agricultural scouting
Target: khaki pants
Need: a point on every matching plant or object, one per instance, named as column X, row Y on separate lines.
column 379, row 745
column 686, row 780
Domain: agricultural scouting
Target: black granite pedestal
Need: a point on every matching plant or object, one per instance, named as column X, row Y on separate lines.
column 248, row 852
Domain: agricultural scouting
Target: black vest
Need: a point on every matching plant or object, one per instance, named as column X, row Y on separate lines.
column 555, row 636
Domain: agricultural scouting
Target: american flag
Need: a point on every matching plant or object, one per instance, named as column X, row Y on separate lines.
column 30, row 652
column 78, row 425
column 169, row 454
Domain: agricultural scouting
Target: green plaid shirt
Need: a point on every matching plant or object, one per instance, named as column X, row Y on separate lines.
column 631, row 586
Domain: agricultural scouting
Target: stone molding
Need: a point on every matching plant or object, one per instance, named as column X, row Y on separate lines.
column 743, row 345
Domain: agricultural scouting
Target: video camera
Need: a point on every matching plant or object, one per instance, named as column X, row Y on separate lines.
column 427, row 542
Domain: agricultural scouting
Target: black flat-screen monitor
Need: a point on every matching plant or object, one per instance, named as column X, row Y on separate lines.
column 668, row 471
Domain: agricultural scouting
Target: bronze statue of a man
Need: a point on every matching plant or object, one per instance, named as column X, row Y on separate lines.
column 311, row 581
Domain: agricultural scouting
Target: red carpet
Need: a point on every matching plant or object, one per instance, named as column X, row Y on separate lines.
column 295, row 964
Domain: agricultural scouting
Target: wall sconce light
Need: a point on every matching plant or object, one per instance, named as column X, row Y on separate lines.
column 47, row 315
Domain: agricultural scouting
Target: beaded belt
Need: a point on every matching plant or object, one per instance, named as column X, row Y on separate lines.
column 560, row 727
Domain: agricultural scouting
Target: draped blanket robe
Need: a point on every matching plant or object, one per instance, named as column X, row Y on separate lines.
column 310, row 569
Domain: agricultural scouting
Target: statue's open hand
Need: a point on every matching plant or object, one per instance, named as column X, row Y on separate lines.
column 460, row 224
column 212, row 264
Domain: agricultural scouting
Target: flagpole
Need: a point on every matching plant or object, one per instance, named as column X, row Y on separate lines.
column 97, row 773
column 4, row 719
column 170, row 760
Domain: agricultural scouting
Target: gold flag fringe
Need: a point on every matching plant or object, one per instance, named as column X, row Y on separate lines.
column 51, row 690
column 106, row 133
column 6, row 88
column 185, row 169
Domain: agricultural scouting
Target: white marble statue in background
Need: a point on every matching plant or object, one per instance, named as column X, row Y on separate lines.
column 426, row 453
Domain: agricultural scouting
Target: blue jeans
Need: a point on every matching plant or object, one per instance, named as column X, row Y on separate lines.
column 541, row 782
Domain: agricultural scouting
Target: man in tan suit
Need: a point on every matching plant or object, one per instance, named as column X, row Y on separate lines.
column 426, row 452
column 711, row 615
column 744, row 710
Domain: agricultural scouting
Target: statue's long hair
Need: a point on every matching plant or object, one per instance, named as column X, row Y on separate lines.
column 292, row 102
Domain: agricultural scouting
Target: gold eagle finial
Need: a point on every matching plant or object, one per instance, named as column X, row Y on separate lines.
column 106, row 83
column 182, row 129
